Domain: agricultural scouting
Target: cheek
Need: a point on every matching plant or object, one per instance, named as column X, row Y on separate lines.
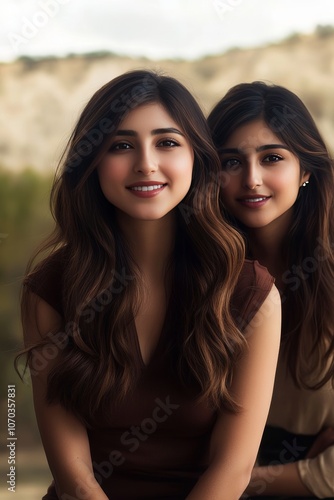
column 230, row 185
column 286, row 182
column 182, row 169
column 110, row 173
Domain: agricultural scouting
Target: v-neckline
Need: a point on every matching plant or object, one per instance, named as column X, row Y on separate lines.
column 156, row 350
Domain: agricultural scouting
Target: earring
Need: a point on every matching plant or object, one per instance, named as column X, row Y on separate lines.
column 305, row 183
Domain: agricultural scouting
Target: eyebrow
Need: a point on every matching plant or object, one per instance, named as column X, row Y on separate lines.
column 259, row 149
column 157, row 131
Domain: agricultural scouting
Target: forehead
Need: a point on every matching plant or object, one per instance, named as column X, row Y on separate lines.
column 146, row 116
column 252, row 135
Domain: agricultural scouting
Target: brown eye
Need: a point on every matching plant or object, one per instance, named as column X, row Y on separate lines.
column 272, row 158
column 231, row 164
column 120, row 146
column 168, row 143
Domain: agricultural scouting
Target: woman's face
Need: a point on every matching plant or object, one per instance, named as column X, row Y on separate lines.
column 148, row 169
column 262, row 176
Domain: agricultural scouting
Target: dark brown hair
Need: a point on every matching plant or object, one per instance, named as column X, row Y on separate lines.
column 308, row 332
column 209, row 258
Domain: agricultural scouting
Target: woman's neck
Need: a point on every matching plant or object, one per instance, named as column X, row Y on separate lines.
column 269, row 252
column 151, row 243
column 266, row 244
column 264, row 248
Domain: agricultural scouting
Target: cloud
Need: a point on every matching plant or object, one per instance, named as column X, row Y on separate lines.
column 152, row 28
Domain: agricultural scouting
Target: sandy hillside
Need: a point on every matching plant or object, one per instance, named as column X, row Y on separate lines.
column 40, row 100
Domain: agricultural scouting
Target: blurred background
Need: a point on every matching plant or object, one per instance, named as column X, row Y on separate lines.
column 54, row 54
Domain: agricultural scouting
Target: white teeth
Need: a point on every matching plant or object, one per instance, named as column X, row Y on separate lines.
column 146, row 188
column 254, row 200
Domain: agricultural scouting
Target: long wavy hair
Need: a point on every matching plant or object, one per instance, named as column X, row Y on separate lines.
column 96, row 261
column 308, row 308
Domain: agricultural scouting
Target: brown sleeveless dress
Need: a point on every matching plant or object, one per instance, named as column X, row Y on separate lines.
column 155, row 444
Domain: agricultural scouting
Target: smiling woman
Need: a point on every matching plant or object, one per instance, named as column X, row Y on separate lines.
column 157, row 328
column 148, row 169
column 265, row 178
column 278, row 191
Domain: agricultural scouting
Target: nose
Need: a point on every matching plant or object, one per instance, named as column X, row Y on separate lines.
column 252, row 175
column 146, row 162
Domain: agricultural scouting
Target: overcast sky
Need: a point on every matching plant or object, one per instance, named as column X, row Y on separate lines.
column 153, row 28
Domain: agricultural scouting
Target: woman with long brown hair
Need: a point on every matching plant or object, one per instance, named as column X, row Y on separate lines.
column 146, row 332
column 277, row 185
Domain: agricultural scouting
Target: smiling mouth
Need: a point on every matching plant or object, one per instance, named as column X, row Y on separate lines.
column 254, row 200
column 147, row 188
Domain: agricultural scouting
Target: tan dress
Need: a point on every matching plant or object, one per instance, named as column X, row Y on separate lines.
column 306, row 413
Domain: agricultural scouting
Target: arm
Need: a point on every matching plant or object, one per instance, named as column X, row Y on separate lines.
column 236, row 437
column 310, row 477
column 317, row 472
column 64, row 437
column 322, row 442
column 277, row 479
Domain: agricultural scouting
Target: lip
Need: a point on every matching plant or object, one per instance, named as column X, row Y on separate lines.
column 145, row 183
column 254, row 201
column 146, row 189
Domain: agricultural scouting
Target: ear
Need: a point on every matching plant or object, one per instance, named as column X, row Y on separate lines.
column 305, row 177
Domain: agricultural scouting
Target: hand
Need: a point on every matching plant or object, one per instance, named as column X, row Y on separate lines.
column 324, row 439
column 278, row 480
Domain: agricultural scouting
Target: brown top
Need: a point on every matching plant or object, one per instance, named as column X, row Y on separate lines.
column 154, row 445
